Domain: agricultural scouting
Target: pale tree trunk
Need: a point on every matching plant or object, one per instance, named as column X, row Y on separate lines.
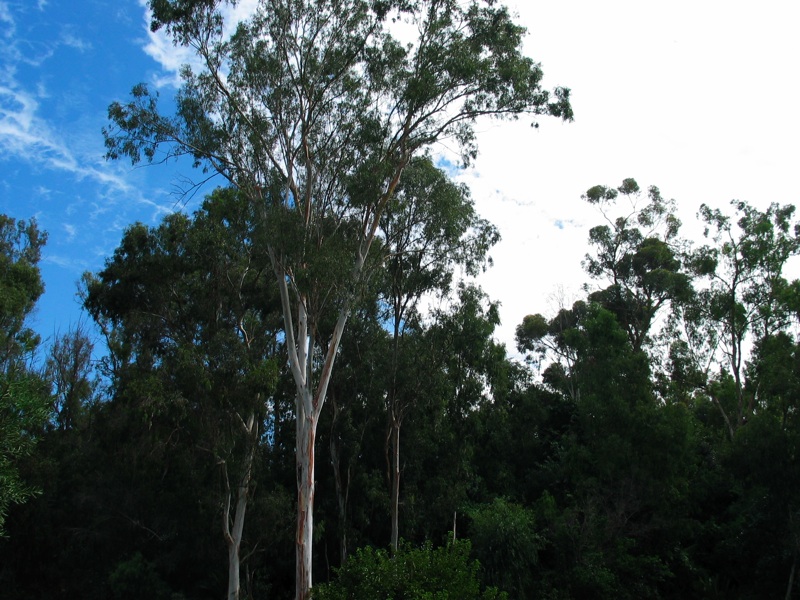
column 306, row 427
column 233, row 550
column 233, row 528
column 308, row 405
column 309, row 397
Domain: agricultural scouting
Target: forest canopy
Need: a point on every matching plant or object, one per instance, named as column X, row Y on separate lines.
column 644, row 447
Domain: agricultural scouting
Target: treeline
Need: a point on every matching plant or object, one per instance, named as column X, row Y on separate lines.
column 645, row 448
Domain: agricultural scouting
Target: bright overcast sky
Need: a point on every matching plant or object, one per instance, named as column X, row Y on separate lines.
column 697, row 97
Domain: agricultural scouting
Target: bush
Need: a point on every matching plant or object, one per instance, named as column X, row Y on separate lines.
column 425, row 573
column 137, row 578
column 505, row 542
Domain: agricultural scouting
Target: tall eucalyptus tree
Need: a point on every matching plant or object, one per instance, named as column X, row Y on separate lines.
column 429, row 229
column 747, row 297
column 313, row 109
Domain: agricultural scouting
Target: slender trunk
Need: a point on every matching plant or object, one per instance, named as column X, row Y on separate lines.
column 342, row 484
column 731, row 430
column 342, row 489
column 234, row 529
column 790, row 587
column 395, row 483
column 234, row 546
column 395, row 419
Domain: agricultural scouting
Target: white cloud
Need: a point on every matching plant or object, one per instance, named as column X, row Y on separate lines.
column 8, row 19
column 70, row 263
column 70, row 230
column 25, row 135
column 70, row 40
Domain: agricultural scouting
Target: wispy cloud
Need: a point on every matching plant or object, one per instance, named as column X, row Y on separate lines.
column 69, row 39
column 12, row 51
column 78, row 265
column 70, row 230
column 7, row 18
column 24, row 134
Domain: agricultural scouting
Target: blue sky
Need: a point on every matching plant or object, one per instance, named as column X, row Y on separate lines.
column 699, row 98
column 62, row 64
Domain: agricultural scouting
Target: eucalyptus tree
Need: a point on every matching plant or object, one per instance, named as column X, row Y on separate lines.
column 637, row 255
column 556, row 340
column 613, row 488
column 24, row 398
column 21, row 244
column 747, row 298
column 313, row 109
column 69, row 369
column 463, row 368
column 429, row 229
column 194, row 318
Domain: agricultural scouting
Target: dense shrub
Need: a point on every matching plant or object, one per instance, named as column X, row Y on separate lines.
column 426, row 573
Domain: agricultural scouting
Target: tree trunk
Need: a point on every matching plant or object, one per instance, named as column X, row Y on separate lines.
column 306, row 433
column 233, row 531
column 233, row 552
column 342, row 484
column 395, row 483
column 309, row 400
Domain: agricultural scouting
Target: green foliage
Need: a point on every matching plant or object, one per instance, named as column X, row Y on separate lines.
column 69, row 370
column 636, row 257
column 191, row 315
column 425, row 573
column 506, row 543
column 746, row 299
column 20, row 287
column 137, row 578
column 25, row 403
column 24, row 409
